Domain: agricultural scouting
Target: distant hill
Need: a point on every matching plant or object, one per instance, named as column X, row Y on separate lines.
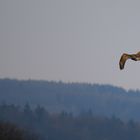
column 105, row 100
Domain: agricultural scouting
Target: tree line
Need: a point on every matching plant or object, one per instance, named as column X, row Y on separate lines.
column 104, row 100
column 53, row 126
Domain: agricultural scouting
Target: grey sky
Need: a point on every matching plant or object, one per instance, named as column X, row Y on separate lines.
column 70, row 40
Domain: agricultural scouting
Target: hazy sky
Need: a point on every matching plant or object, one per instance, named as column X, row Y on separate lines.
column 70, row 40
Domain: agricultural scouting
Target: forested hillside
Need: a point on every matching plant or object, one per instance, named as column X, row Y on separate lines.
column 48, row 110
column 42, row 125
column 102, row 100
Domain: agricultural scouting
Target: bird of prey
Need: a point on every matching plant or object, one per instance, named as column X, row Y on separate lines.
column 124, row 57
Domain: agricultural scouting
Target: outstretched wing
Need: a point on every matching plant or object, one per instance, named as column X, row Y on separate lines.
column 138, row 53
column 123, row 59
column 138, row 56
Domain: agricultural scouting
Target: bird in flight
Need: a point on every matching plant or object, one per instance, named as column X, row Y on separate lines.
column 124, row 57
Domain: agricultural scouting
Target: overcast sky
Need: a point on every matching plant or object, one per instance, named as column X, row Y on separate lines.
column 70, row 40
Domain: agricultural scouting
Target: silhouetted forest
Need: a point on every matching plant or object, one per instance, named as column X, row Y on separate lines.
column 9, row 131
column 103, row 100
column 64, row 126
column 48, row 110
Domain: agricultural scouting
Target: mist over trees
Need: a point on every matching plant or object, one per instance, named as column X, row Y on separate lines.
column 63, row 126
column 102, row 100
column 48, row 110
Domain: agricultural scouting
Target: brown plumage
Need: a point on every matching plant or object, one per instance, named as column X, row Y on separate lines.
column 125, row 57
